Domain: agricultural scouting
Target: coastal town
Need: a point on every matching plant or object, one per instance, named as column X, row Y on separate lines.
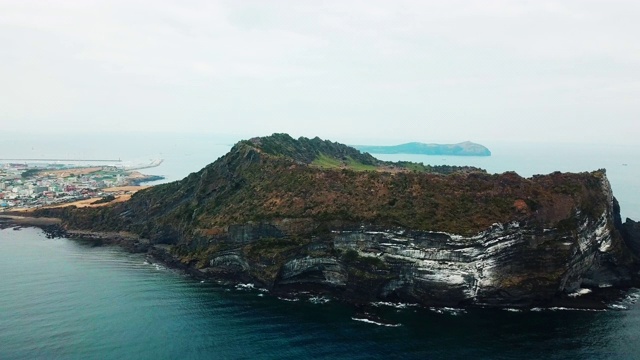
column 34, row 185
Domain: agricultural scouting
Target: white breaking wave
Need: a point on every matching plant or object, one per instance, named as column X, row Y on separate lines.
column 627, row 302
column 374, row 322
column 560, row 308
column 245, row 286
column 580, row 292
column 633, row 297
column 319, row 300
column 512, row 310
column 448, row 310
column 289, row 299
column 393, row 305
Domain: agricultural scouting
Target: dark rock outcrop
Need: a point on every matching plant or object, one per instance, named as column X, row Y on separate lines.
column 631, row 233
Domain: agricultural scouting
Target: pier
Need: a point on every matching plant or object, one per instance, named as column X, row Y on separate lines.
column 73, row 160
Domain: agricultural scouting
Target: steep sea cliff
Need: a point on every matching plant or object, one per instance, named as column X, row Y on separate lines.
column 312, row 216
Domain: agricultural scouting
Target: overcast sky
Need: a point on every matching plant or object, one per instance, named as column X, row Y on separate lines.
column 381, row 70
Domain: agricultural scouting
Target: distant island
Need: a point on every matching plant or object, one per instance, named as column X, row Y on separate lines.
column 466, row 148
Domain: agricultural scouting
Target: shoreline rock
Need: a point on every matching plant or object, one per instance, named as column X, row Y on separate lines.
column 598, row 298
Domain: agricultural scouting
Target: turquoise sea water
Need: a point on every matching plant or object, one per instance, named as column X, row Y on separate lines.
column 61, row 299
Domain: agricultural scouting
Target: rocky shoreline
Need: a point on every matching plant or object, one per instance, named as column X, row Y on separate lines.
column 143, row 179
column 592, row 299
column 130, row 242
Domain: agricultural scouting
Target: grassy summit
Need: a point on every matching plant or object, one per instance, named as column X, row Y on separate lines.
column 310, row 151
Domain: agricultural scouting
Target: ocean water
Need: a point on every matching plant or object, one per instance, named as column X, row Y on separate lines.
column 62, row 299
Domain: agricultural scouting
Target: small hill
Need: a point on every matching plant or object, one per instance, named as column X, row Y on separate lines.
column 308, row 151
column 466, row 148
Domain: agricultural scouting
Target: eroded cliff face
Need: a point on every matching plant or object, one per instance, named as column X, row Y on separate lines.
column 512, row 264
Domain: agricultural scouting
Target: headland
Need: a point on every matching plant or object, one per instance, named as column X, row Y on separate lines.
column 309, row 215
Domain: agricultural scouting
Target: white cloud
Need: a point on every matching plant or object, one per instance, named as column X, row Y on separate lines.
column 446, row 69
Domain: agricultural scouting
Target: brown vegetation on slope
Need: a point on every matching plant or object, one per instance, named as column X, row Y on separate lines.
column 251, row 184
